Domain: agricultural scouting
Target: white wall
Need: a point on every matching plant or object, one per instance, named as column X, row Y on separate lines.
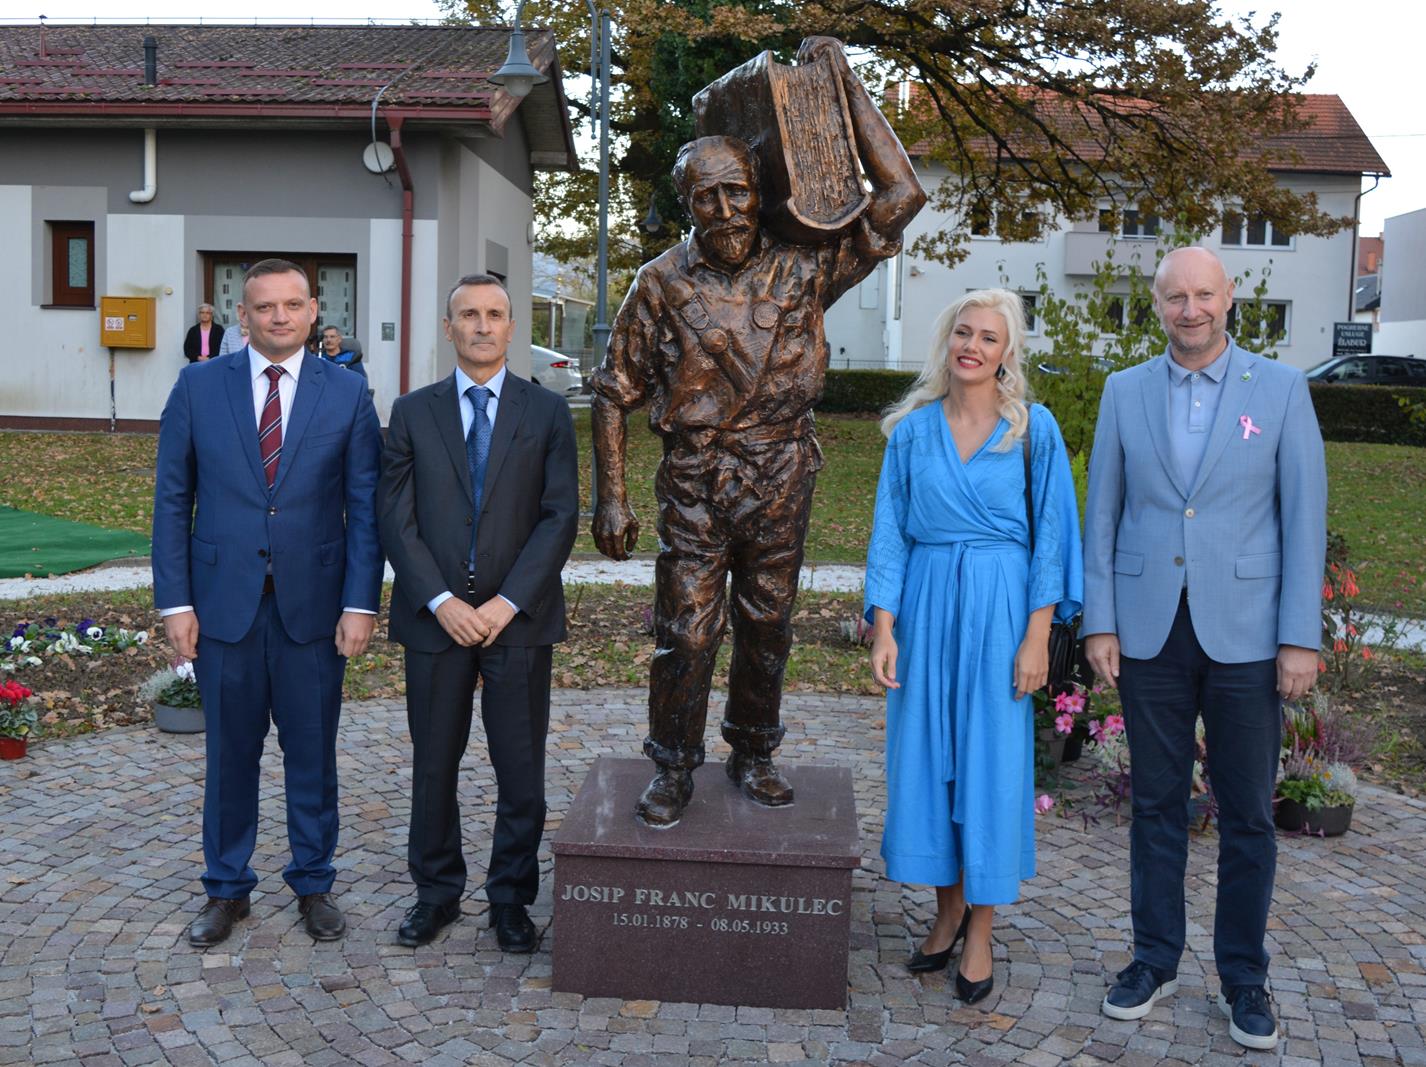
column 1314, row 275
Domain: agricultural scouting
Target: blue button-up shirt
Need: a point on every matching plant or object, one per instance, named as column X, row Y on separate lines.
column 1193, row 405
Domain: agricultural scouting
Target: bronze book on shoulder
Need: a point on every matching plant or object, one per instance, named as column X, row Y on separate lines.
column 797, row 121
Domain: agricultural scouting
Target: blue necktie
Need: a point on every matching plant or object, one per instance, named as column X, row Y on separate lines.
column 477, row 453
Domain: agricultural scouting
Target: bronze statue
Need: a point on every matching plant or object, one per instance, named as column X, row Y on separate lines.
column 722, row 336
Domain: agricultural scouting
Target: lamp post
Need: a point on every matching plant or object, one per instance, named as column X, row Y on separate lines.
column 518, row 76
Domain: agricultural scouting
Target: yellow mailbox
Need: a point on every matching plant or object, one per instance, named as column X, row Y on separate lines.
column 126, row 321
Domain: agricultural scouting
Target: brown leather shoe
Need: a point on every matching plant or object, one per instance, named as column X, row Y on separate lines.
column 215, row 922
column 665, row 797
column 321, row 916
column 760, row 780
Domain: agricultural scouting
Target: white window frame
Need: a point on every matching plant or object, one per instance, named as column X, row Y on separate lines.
column 1269, row 230
column 1286, row 306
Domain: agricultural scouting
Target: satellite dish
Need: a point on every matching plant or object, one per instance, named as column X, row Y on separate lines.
column 377, row 157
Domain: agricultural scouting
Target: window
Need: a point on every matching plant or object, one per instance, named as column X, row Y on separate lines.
column 1132, row 223
column 1253, row 231
column 72, row 264
column 1143, row 313
column 984, row 220
column 1029, row 300
column 333, row 279
column 1264, row 323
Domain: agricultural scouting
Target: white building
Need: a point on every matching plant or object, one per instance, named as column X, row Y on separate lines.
column 887, row 323
column 1403, row 291
column 163, row 171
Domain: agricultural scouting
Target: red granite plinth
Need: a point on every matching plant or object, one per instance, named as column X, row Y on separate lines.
column 737, row 904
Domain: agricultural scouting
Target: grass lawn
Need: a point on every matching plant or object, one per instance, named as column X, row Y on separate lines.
column 1376, row 495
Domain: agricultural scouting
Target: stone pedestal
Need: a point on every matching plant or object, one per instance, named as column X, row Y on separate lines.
column 737, row 904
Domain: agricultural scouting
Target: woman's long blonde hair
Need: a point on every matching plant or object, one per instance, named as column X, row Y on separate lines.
column 936, row 381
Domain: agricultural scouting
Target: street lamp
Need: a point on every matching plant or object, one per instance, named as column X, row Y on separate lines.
column 599, row 105
column 518, row 76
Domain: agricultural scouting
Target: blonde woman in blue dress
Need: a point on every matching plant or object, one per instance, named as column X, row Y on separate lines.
column 961, row 616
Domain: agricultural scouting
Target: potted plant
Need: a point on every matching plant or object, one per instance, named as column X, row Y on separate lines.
column 1315, row 798
column 177, row 705
column 1317, row 788
column 17, row 719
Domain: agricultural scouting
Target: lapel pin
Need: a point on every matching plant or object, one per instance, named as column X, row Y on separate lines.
column 1247, row 376
column 1248, row 428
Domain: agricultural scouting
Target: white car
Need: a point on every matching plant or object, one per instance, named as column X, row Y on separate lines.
column 555, row 371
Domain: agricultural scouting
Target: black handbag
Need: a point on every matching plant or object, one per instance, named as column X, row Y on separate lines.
column 1068, row 664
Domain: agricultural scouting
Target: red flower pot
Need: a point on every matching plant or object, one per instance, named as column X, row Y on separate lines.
column 13, row 747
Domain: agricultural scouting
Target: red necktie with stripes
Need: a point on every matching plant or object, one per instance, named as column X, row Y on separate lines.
column 269, row 427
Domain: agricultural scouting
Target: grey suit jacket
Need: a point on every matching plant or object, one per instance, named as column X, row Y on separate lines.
column 1249, row 537
column 529, row 511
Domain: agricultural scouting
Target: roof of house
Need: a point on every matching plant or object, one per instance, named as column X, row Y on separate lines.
column 297, row 74
column 1331, row 142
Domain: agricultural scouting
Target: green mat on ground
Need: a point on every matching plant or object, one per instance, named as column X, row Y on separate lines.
column 41, row 545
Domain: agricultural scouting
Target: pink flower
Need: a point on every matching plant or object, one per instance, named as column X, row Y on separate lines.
column 1064, row 723
column 1113, row 725
column 1096, row 730
column 1043, row 803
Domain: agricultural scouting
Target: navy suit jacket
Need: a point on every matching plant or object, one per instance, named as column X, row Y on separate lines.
column 216, row 524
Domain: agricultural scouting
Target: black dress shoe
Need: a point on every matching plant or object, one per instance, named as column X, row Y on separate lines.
column 320, row 914
column 423, row 922
column 664, row 799
column 513, row 928
column 926, row 962
column 972, row 992
column 760, row 780
column 215, row 922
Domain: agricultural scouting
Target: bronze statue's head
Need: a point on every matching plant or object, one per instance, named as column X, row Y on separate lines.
column 717, row 178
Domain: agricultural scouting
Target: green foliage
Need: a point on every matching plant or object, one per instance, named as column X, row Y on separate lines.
column 1313, row 793
column 1373, row 413
column 863, row 392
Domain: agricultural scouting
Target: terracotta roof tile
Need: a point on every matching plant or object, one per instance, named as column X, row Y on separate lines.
column 1331, row 143
column 300, row 64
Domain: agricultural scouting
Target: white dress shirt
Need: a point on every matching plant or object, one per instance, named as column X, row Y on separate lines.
column 467, row 416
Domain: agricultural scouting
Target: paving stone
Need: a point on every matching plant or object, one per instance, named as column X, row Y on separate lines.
column 95, row 968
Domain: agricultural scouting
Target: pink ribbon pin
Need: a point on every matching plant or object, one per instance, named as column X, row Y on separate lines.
column 1247, row 424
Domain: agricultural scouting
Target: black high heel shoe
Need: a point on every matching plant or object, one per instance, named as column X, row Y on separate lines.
column 925, row 963
column 969, row 992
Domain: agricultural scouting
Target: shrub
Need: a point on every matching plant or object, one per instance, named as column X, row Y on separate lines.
column 863, row 392
column 1371, row 413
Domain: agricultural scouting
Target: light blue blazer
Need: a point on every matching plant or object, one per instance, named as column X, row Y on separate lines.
column 1249, row 536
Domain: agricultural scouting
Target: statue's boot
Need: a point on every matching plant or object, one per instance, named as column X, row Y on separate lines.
column 663, row 801
column 760, row 780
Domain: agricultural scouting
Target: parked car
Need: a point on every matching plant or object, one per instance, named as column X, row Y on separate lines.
column 1371, row 370
column 555, row 371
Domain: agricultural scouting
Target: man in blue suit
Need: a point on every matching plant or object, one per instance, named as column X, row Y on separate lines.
column 1204, row 542
column 267, row 570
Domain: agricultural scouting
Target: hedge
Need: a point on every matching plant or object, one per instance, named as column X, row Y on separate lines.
column 1345, row 412
column 863, row 392
column 1367, row 413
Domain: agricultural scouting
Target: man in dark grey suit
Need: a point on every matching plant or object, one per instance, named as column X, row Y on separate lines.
column 478, row 503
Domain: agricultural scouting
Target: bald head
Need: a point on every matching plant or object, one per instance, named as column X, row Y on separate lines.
column 1191, row 258
column 1192, row 295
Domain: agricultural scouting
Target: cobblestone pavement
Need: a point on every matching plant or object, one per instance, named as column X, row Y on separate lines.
column 98, row 880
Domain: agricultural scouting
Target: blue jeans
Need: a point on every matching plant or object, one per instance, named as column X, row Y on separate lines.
column 1242, row 718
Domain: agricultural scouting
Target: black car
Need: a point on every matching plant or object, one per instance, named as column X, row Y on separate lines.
column 1371, row 370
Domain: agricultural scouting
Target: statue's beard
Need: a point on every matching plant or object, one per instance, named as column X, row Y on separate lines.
column 731, row 241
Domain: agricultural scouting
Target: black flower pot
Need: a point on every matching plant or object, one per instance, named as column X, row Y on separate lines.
column 1330, row 821
column 1074, row 743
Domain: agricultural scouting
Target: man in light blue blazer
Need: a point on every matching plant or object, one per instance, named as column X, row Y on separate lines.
column 1204, row 543
column 267, row 571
